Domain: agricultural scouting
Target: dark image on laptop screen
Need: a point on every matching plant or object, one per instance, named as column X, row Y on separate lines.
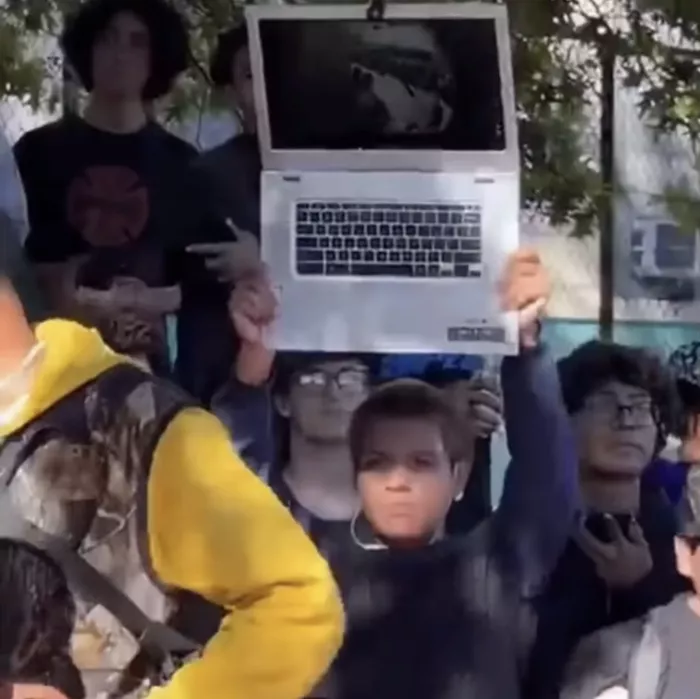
column 353, row 84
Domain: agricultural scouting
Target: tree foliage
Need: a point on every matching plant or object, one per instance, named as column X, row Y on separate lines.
column 557, row 45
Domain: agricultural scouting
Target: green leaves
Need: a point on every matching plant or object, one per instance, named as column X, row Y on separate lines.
column 556, row 45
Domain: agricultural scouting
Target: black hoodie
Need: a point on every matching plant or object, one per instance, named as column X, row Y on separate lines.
column 451, row 621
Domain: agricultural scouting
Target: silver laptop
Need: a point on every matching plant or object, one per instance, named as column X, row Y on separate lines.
column 390, row 185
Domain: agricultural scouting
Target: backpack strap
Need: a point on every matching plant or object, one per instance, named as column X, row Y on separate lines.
column 157, row 639
column 649, row 662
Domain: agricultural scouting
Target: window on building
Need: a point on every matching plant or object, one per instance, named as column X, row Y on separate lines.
column 675, row 248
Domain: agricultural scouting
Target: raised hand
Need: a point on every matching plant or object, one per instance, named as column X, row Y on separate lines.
column 525, row 288
column 252, row 309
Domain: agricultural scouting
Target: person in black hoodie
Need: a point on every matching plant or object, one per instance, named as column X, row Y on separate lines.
column 436, row 617
column 619, row 562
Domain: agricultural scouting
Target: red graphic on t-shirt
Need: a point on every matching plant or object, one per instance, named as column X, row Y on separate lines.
column 108, row 205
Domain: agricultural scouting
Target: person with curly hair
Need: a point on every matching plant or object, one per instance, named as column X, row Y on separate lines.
column 112, row 199
column 620, row 559
column 37, row 616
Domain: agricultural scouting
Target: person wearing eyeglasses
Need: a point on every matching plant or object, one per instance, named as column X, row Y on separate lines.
column 289, row 415
column 619, row 562
column 656, row 655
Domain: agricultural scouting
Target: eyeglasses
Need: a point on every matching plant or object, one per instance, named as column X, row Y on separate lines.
column 636, row 413
column 350, row 380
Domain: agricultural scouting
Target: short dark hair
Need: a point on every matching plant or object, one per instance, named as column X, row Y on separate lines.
column 37, row 620
column 167, row 32
column 596, row 363
column 406, row 399
column 228, row 44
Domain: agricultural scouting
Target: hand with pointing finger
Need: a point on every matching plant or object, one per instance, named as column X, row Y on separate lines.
column 624, row 561
column 230, row 259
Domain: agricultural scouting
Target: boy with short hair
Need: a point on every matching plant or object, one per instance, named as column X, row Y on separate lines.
column 412, row 462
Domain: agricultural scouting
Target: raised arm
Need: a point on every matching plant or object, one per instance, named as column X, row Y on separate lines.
column 244, row 403
column 540, row 496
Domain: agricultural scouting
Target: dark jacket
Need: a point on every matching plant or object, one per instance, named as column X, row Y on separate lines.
column 227, row 183
column 577, row 602
column 451, row 620
column 233, row 173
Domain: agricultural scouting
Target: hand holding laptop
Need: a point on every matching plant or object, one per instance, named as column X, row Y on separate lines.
column 525, row 288
column 253, row 308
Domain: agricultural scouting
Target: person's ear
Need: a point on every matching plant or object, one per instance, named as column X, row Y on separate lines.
column 460, row 476
column 282, row 406
column 683, row 557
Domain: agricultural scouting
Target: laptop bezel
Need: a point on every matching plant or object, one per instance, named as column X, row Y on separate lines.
column 386, row 160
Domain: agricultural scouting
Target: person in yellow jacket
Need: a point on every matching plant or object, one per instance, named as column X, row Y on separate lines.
column 138, row 495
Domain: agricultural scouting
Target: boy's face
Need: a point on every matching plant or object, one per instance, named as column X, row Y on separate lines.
column 323, row 397
column 406, row 479
column 242, row 87
column 121, row 58
column 616, row 429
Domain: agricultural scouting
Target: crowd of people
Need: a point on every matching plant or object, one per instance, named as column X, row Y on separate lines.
column 187, row 512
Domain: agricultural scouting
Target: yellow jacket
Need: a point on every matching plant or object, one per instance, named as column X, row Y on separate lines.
column 215, row 529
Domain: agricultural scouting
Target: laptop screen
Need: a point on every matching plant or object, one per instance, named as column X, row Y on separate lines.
column 403, row 83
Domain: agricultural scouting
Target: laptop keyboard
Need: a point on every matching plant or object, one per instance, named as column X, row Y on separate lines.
column 388, row 240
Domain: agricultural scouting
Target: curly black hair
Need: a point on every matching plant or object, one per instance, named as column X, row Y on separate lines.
column 169, row 40
column 36, row 621
column 228, row 44
column 596, row 363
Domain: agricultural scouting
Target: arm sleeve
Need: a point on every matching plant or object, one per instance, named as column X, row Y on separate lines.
column 247, row 412
column 217, row 530
column 540, row 495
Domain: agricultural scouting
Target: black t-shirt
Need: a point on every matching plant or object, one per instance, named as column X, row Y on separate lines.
column 93, row 192
column 130, row 203
column 682, row 639
column 332, row 537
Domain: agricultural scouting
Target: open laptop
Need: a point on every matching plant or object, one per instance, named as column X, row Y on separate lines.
column 390, row 185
